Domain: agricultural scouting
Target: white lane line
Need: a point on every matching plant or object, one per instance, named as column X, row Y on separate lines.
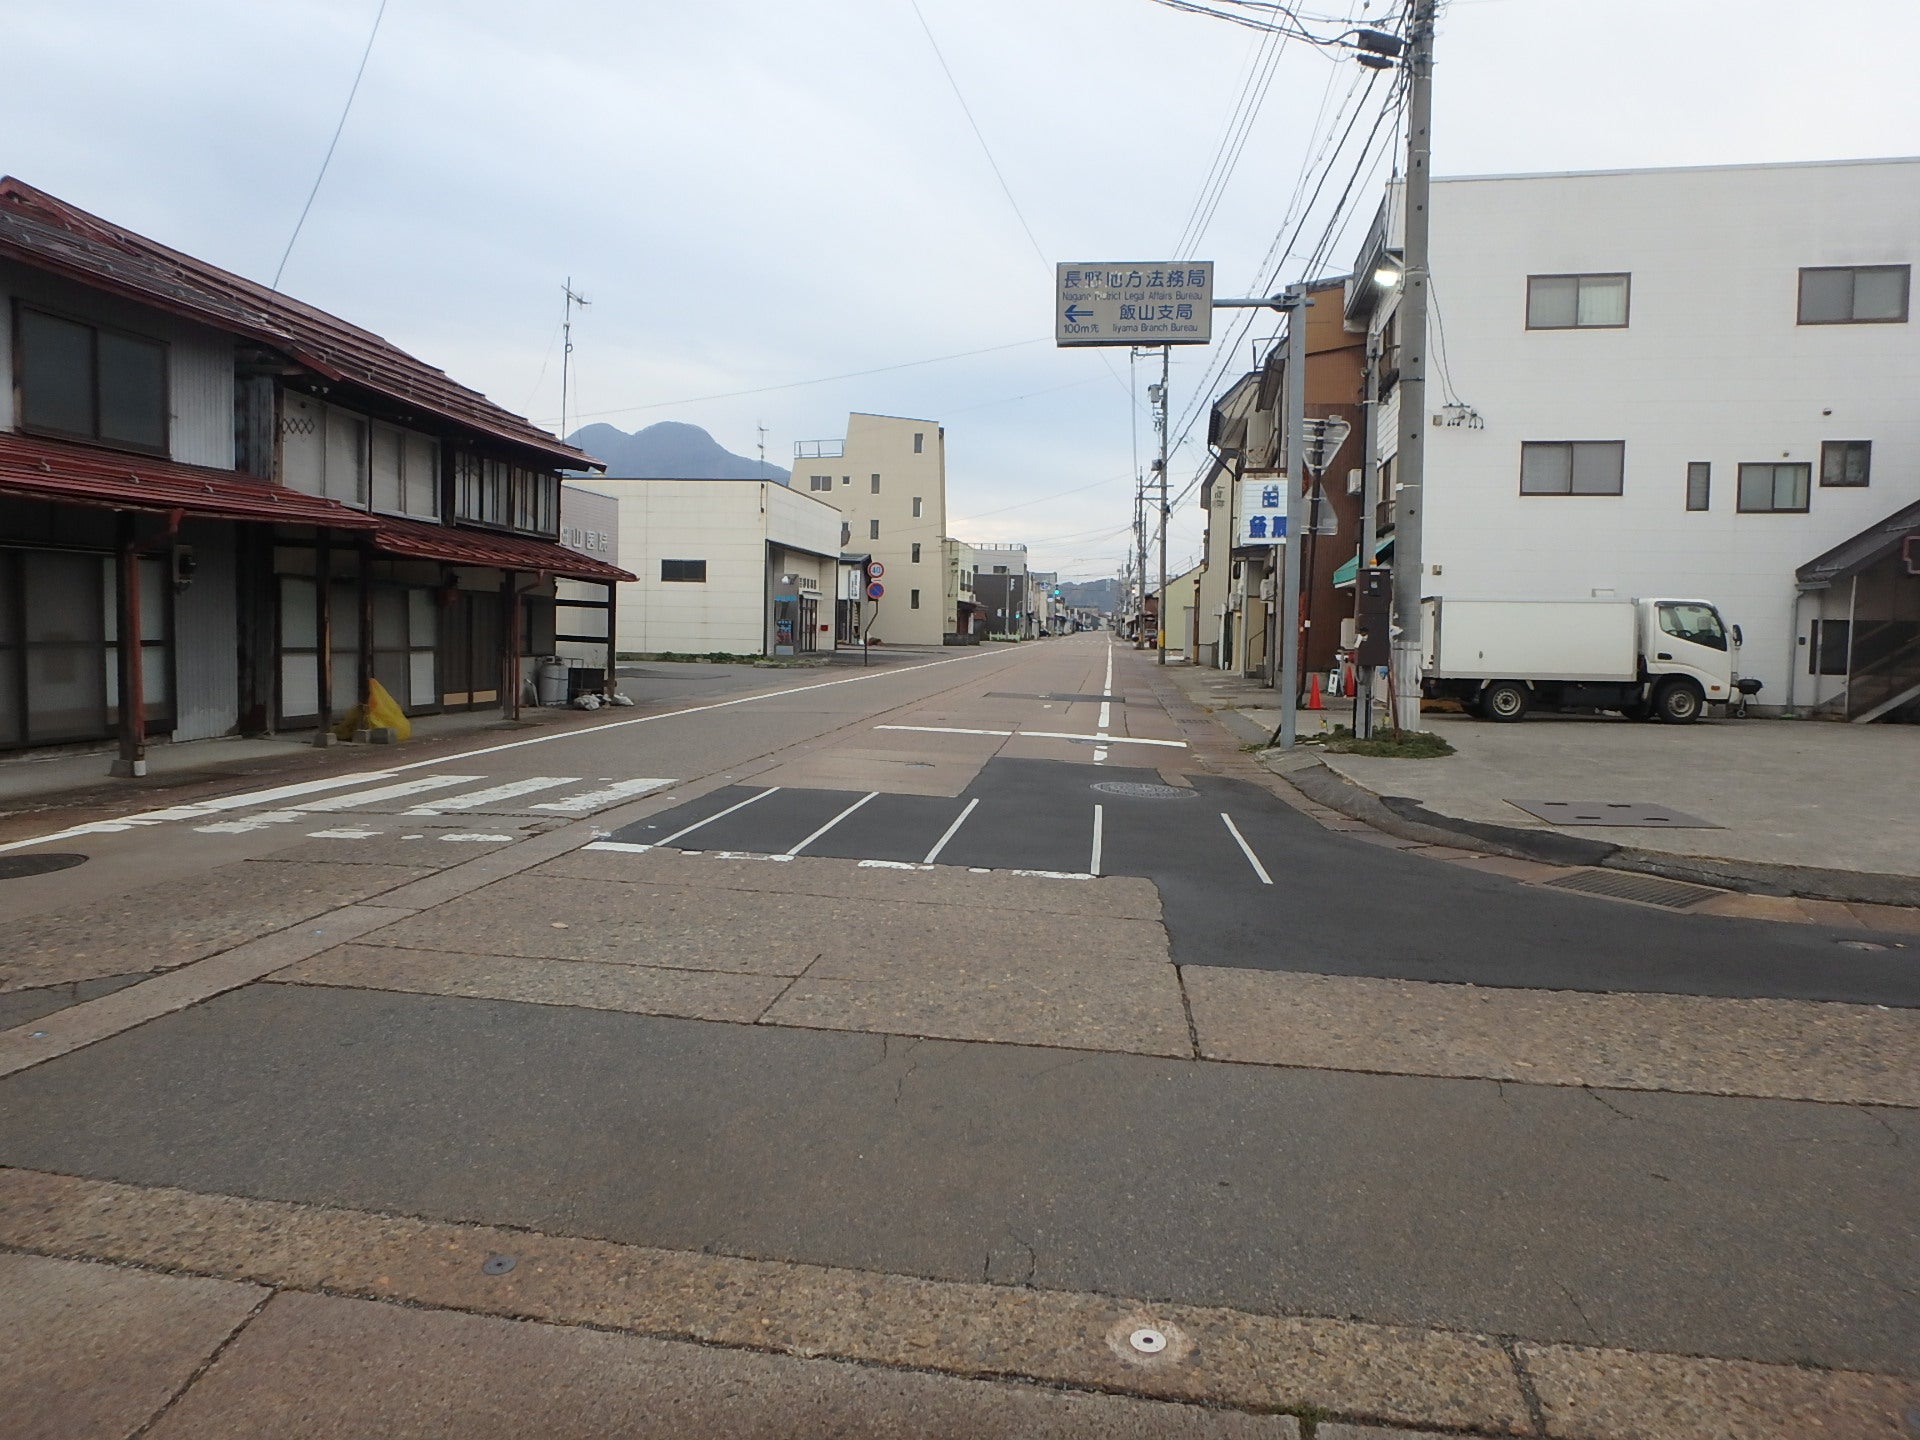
column 952, row 830
column 250, row 822
column 267, row 797
column 391, row 792
column 599, row 799
column 618, row 845
column 1106, row 692
column 1099, row 821
column 1246, row 849
column 751, row 799
column 833, row 822
column 1039, row 735
column 476, row 835
column 350, row 832
column 491, row 797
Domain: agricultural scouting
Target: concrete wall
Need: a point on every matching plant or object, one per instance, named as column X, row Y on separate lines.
column 883, row 445
column 1711, row 366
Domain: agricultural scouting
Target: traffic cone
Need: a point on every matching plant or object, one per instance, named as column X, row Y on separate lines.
column 1314, row 702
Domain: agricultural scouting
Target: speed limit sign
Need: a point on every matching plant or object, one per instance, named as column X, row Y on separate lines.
column 875, row 570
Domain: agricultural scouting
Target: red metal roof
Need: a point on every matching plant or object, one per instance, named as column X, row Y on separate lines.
column 40, row 230
column 418, row 540
column 88, row 475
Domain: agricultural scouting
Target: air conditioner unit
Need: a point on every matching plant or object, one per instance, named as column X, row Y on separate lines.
column 1266, row 588
column 1356, row 482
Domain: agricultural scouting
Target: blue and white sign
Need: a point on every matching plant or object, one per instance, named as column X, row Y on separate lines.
column 1146, row 302
column 1262, row 515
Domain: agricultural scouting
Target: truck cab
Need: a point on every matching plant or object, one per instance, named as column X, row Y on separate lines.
column 1688, row 640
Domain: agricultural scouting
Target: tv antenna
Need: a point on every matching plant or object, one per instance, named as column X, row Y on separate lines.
column 566, row 347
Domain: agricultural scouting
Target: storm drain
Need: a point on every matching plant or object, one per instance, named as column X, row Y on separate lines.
column 1647, row 889
column 19, row 867
column 1136, row 790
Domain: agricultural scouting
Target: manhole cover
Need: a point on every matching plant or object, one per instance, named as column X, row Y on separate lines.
column 1647, row 889
column 1613, row 812
column 18, row 867
column 1135, row 790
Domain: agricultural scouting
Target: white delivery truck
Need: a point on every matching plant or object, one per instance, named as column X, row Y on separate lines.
column 1501, row 658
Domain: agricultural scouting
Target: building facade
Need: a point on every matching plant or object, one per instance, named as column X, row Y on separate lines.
column 733, row 567
column 1691, row 383
column 888, row 478
column 223, row 511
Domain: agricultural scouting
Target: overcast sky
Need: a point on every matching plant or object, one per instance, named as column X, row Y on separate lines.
column 758, row 194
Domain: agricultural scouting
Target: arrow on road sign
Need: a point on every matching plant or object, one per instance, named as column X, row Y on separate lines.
column 1075, row 314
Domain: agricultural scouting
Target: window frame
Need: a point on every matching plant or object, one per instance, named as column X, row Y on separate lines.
column 1701, row 470
column 916, row 553
column 873, row 528
column 913, row 599
column 1806, row 489
column 874, row 485
column 94, row 330
column 1842, row 448
column 1571, row 446
column 1906, row 294
column 693, row 572
column 1624, row 276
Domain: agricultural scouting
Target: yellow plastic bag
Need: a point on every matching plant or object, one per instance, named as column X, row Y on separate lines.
column 381, row 711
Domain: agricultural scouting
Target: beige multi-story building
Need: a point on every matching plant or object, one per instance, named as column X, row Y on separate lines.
column 888, row 479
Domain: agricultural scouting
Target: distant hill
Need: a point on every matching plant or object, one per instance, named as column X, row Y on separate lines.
column 1101, row 595
column 670, row 450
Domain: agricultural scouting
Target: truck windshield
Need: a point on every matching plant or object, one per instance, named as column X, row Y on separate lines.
column 1698, row 624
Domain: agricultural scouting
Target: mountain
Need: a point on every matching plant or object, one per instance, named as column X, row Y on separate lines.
column 670, row 450
column 1100, row 595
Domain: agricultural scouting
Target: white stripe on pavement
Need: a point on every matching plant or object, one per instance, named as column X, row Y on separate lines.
column 1246, row 849
column 1099, row 819
column 721, row 815
column 598, row 799
column 491, row 797
column 833, row 822
column 1038, row 735
column 952, row 830
column 620, row 845
column 391, row 792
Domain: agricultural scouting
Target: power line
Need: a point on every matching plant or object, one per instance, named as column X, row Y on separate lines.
column 345, row 111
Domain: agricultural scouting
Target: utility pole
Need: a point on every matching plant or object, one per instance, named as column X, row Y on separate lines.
column 1369, row 499
column 1140, row 566
column 566, row 348
column 1294, row 428
column 1159, row 397
column 1409, row 568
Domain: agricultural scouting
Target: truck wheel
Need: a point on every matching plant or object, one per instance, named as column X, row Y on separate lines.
column 1678, row 702
column 1505, row 700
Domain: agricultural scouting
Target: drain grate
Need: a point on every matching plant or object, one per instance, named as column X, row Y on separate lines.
column 19, row 867
column 1613, row 812
column 1136, row 790
column 1647, row 889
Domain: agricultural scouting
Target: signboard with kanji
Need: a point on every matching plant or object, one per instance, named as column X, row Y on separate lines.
column 1147, row 302
column 1262, row 517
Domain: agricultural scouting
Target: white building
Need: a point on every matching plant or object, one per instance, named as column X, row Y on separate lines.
column 888, row 477
column 1686, row 382
column 736, row 567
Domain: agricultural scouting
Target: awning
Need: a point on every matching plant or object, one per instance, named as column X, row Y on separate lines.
column 1850, row 557
column 420, row 540
column 1350, row 571
column 70, row 474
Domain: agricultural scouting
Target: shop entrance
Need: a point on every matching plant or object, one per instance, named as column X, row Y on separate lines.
column 471, row 662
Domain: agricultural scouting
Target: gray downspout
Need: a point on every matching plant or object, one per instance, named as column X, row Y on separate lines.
column 1793, row 653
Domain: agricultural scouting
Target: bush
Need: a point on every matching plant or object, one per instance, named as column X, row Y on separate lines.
column 1384, row 744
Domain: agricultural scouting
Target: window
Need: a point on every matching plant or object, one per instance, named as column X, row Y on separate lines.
column 876, row 484
column 1695, row 623
column 684, row 572
column 916, row 552
column 919, row 437
column 1576, row 302
column 846, row 479
column 406, row 473
column 1572, row 467
column 913, row 599
column 873, row 529
column 916, row 507
column 1830, row 647
column 1844, row 463
column 1772, row 489
column 1699, row 484
column 90, row 383
column 1853, row 294
column 492, row 492
column 820, row 482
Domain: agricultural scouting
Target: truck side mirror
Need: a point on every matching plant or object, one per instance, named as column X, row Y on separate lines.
column 1737, row 640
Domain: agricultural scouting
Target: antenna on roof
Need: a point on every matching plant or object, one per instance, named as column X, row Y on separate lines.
column 763, row 445
column 566, row 347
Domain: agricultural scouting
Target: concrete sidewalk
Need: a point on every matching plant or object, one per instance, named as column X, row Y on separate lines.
column 1805, row 808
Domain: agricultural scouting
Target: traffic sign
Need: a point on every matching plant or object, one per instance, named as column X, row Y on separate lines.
column 875, row 569
column 876, row 590
column 1147, row 302
column 1262, row 517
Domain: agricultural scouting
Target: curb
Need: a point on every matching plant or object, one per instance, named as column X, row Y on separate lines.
column 1411, row 820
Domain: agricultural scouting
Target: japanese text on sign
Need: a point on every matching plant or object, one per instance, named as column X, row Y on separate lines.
column 1147, row 303
column 1262, row 519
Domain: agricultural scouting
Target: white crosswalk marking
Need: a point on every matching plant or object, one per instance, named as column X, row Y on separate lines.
column 474, row 800
column 598, row 799
column 392, row 792
column 251, row 822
